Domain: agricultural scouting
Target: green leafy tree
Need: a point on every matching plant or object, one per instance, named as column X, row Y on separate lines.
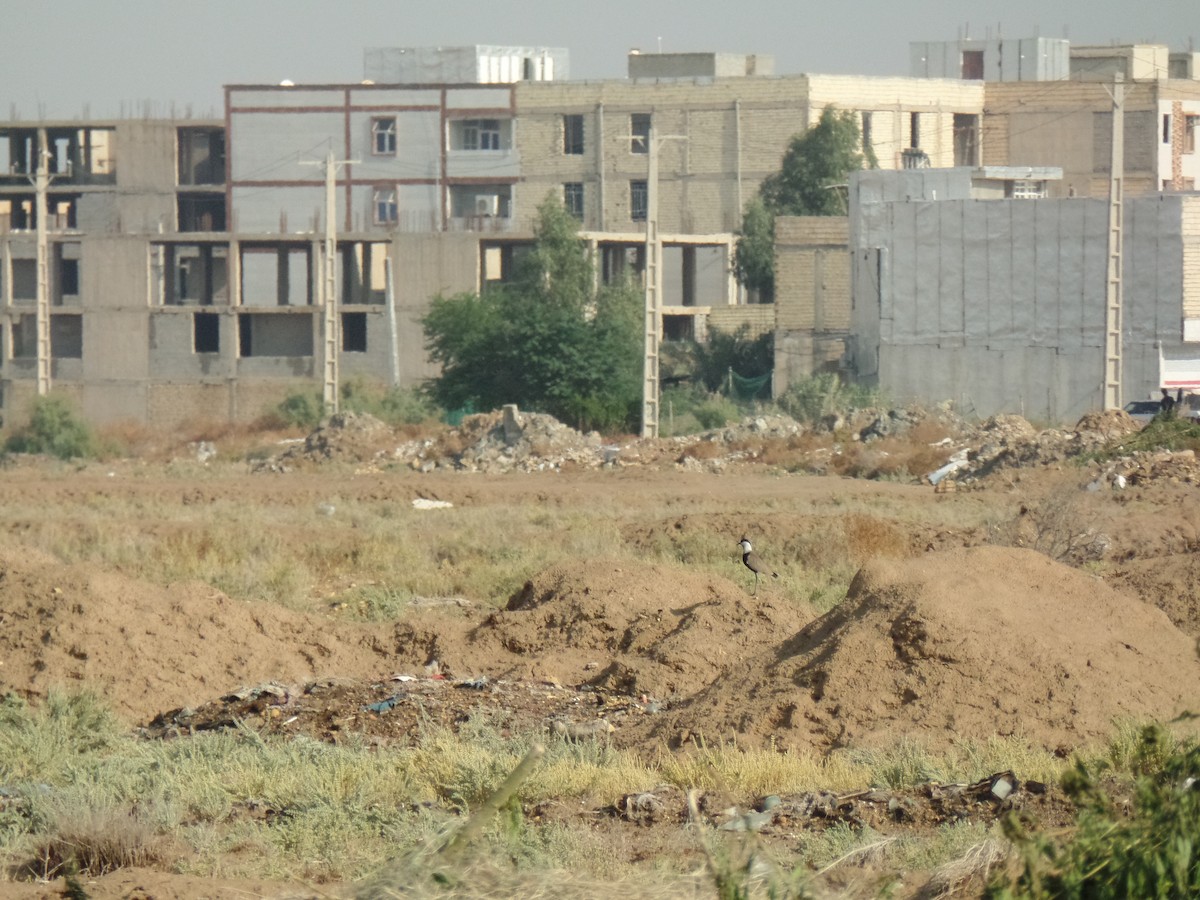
column 816, row 164
column 548, row 340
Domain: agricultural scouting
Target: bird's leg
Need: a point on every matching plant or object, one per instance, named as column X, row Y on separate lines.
column 755, row 594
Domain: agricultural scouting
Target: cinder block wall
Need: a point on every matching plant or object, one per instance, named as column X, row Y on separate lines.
column 812, row 294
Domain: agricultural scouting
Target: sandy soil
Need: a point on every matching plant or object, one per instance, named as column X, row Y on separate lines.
column 940, row 636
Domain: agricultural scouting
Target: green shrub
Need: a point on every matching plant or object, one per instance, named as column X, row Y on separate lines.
column 810, row 399
column 716, row 412
column 302, row 409
column 54, row 429
column 1148, row 847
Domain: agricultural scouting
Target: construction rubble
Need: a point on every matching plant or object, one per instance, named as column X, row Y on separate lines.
column 510, row 440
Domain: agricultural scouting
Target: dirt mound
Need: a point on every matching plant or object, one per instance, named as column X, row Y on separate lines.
column 1172, row 583
column 146, row 648
column 635, row 629
column 957, row 645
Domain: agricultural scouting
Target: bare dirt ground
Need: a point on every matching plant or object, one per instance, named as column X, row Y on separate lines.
column 941, row 637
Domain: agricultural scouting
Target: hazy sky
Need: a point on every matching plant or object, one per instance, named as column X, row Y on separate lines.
column 103, row 58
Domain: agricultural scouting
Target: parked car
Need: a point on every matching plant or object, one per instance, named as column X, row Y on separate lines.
column 1143, row 410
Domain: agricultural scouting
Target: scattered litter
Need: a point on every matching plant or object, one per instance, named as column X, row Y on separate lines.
column 478, row 683
column 423, row 503
column 270, row 689
column 326, row 509
column 403, row 678
column 383, row 705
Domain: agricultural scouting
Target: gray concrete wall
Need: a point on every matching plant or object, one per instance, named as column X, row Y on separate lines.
column 1000, row 306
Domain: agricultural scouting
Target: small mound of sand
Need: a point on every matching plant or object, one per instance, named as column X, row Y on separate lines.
column 146, row 648
column 634, row 628
column 963, row 644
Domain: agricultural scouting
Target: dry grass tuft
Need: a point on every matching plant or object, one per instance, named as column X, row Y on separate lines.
column 94, row 842
column 968, row 874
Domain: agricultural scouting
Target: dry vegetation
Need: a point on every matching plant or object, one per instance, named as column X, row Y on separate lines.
column 80, row 792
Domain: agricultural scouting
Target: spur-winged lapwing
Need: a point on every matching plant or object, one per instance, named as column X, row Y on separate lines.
column 753, row 563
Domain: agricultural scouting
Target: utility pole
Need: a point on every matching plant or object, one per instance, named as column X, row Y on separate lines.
column 331, row 330
column 1113, row 329
column 653, row 275
column 41, row 183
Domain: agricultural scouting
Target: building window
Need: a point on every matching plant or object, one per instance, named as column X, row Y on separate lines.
column 206, row 332
column 866, row 130
column 639, row 130
column 914, row 130
column 354, row 332
column 1166, row 128
column 1026, row 189
column 1189, row 133
column 383, row 201
column 972, row 65
column 481, row 134
column 573, row 198
column 573, row 135
column 383, row 136
column 638, row 200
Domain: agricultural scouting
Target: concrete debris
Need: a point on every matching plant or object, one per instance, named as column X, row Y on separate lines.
column 509, row 440
column 424, row 503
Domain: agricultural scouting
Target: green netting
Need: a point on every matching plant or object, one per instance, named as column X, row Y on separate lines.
column 454, row 417
column 757, row 388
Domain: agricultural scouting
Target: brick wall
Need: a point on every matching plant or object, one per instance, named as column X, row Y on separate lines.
column 1191, row 257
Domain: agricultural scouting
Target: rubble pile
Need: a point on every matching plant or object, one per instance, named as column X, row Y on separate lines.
column 344, row 437
column 1005, row 442
column 1177, row 467
column 508, row 441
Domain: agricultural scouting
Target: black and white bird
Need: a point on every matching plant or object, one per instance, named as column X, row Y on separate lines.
column 752, row 562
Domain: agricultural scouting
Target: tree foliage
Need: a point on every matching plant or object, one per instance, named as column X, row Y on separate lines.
column 54, row 429
column 736, row 351
column 817, row 163
column 548, row 340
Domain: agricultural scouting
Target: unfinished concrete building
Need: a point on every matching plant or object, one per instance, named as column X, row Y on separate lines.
column 1000, row 305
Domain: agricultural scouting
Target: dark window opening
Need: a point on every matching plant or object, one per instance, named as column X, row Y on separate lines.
column 679, row 328
column 192, row 274
column 201, row 212
column 639, row 130
column 573, row 134
column 364, row 272
column 24, row 337
column 914, row 129
column 638, row 200
column 354, row 332
column 972, row 65
column 66, row 337
column 1166, row 128
column 383, row 136
column 201, row 156
column 386, row 209
column 621, row 262
column 573, row 198
column 966, row 139
column 866, row 131
column 206, row 332
column 24, row 280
